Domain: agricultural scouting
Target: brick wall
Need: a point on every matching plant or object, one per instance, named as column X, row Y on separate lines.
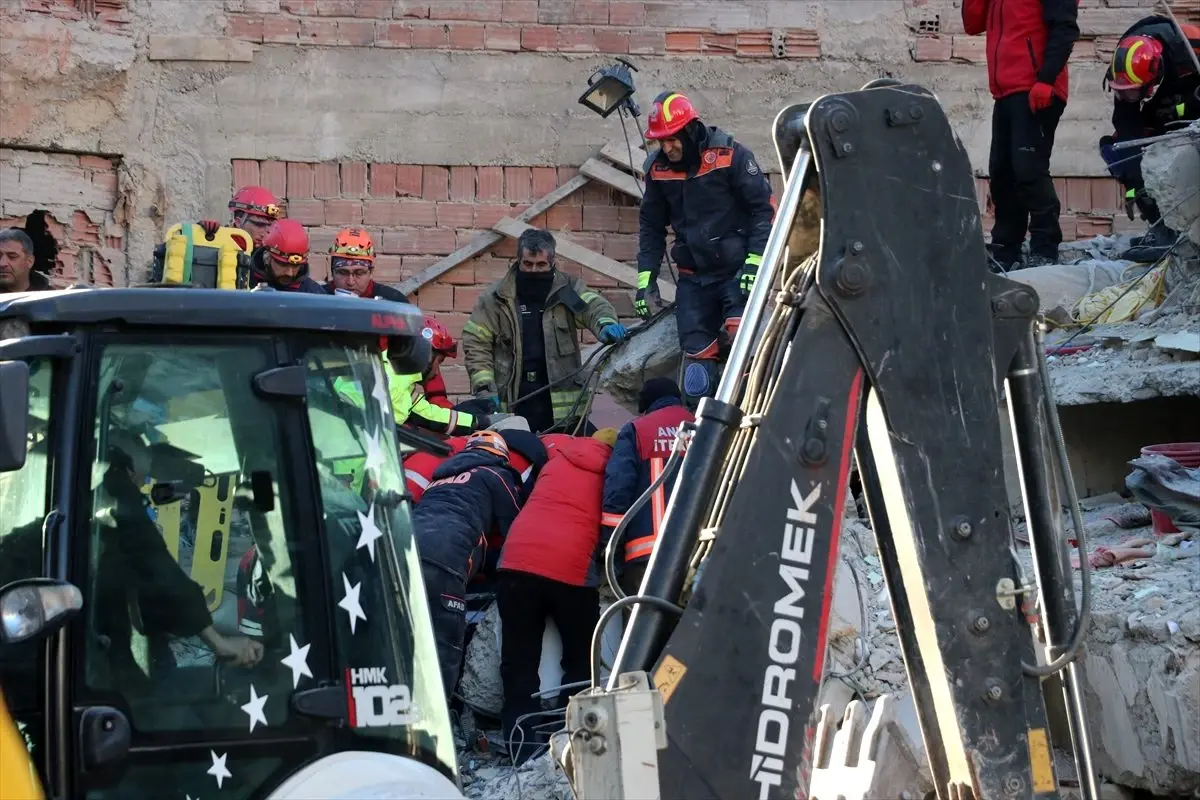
column 78, row 194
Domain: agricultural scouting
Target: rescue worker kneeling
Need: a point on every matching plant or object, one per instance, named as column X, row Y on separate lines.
column 549, row 567
column 473, row 494
column 639, row 457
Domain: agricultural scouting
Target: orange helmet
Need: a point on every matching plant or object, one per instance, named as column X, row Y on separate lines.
column 353, row 243
column 255, row 201
column 489, row 442
column 1137, row 64
column 671, row 112
column 287, row 242
column 439, row 338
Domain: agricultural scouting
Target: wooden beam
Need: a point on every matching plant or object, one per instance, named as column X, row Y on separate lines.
column 589, row 259
column 597, row 170
column 486, row 239
column 618, row 153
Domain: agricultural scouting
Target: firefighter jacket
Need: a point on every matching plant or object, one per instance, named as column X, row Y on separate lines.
column 720, row 211
column 558, row 530
column 473, row 494
column 638, row 458
column 1028, row 42
column 409, row 404
column 1176, row 98
column 492, row 347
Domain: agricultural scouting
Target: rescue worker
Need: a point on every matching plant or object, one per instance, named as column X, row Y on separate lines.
column 473, row 494
column 639, row 456
column 717, row 200
column 1028, row 44
column 522, row 336
column 1155, row 82
column 549, row 568
column 16, row 263
column 526, row 453
column 252, row 209
column 352, row 266
column 281, row 262
column 444, row 346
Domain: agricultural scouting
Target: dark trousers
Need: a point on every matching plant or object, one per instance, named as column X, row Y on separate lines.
column 1022, row 190
column 524, row 602
column 702, row 306
column 447, row 595
column 630, row 581
column 538, row 411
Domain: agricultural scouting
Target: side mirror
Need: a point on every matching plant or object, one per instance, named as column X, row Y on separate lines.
column 35, row 608
column 14, row 414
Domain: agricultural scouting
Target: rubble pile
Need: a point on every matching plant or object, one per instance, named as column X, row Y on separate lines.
column 1171, row 169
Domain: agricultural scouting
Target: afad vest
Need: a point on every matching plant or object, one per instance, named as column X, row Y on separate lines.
column 655, row 433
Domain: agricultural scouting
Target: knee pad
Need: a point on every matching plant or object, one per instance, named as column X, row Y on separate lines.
column 700, row 378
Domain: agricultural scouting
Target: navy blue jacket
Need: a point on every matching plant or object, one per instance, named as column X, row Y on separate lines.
column 260, row 272
column 1176, row 98
column 472, row 494
column 720, row 212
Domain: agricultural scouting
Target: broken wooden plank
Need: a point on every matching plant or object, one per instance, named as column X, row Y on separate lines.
column 486, row 239
column 581, row 255
column 618, row 153
column 597, row 170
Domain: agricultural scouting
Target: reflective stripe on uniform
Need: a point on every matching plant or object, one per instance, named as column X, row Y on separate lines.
column 754, row 260
column 658, row 509
column 478, row 331
column 418, row 479
column 638, row 548
column 610, row 519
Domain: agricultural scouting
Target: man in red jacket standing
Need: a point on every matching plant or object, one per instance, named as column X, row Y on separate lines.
column 1028, row 44
column 549, row 568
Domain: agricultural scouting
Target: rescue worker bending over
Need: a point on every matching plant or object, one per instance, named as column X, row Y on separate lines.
column 642, row 449
column 281, row 263
column 352, row 264
column 717, row 200
column 1154, row 83
column 473, row 494
column 549, row 567
column 526, row 453
column 522, row 336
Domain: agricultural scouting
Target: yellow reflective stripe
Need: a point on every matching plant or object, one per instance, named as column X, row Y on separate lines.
column 643, row 280
column 1130, row 194
column 478, row 331
column 600, row 323
column 754, row 260
column 666, row 106
column 1180, row 109
column 482, row 376
column 588, row 297
column 1129, row 62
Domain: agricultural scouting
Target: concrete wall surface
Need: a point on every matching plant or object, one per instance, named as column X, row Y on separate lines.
column 174, row 92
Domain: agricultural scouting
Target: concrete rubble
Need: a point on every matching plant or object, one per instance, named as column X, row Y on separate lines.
column 1171, row 169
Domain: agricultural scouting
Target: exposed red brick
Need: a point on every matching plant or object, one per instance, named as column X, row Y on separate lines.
column 462, row 183
column 627, row 220
column 356, row 32
column 418, row 9
column 462, row 275
column 719, row 44
column 373, row 9
column 465, row 297
column 383, row 180
column 409, row 178
column 436, row 183
column 502, row 37
column 393, row 34
column 600, row 218
column 306, row 212
column 596, row 194
column 542, row 38
column 554, row 12
column 754, row 44
column 643, row 42
column 518, row 184
column 456, row 378
column 280, row 30
column 455, row 215
column 418, row 213
column 301, row 7
column 489, row 183
column 273, row 176
column 972, row 49
column 621, row 248
column 105, row 181
column 388, row 269
column 245, row 173
column 576, row 40
column 429, row 36
column 565, row 218
column 436, row 241
column 436, row 297
column 624, row 13
column 319, row 31
column 802, row 43
column 544, row 180
column 354, row 179
column 403, row 242
column 610, row 40
column 492, row 269
column 384, row 213
column 488, row 214
column 1079, row 194
column 477, row 11
column 343, row 212
column 299, row 182
column 589, row 12
column 1060, row 188
column 336, row 8
column 519, row 11
column 683, row 41
column 933, row 48
column 466, row 36
column 245, row 26
column 327, row 181
column 1093, row 225
column 1084, row 50
column 1107, row 195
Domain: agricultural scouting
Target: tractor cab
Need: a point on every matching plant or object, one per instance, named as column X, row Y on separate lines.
column 218, row 473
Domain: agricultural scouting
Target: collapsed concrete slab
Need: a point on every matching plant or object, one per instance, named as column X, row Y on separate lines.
column 1171, row 170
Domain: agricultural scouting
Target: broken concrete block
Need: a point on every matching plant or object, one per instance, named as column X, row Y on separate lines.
column 653, row 353
column 1171, row 169
column 199, row 48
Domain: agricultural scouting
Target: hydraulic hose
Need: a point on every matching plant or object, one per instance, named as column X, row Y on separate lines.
column 624, row 602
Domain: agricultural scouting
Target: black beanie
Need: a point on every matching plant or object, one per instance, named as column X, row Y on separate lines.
column 656, row 389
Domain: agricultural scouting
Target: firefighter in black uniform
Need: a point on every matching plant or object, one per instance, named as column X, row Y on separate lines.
column 717, row 200
column 1155, row 82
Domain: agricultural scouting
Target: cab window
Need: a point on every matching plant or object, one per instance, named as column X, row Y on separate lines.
column 200, row 612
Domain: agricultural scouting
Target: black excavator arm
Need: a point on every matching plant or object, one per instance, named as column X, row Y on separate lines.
column 893, row 346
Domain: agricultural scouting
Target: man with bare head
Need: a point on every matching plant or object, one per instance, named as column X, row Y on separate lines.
column 16, row 263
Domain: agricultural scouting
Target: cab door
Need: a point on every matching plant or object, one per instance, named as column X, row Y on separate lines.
column 197, row 549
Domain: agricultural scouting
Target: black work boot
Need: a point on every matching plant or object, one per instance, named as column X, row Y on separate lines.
column 1040, row 260
column 1153, row 246
column 1003, row 259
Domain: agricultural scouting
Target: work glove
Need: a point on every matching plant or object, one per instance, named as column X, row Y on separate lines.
column 613, row 333
column 746, row 276
column 210, row 228
column 1040, row 96
column 1131, row 204
column 647, row 292
column 487, row 393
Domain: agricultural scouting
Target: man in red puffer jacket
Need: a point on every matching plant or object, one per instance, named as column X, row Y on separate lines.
column 1028, row 44
column 548, row 568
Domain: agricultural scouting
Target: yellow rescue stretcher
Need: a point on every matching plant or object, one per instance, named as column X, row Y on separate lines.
column 188, row 256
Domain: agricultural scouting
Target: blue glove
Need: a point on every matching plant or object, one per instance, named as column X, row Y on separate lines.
column 613, row 333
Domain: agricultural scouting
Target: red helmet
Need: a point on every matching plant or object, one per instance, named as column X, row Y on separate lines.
column 287, row 242
column 1137, row 63
column 439, row 338
column 671, row 112
column 255, row 201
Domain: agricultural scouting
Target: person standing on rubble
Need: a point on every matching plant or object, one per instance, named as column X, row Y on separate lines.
column 711, row 191
column 352, row 267
column 1028, row 44
column 550, row 567
column 522, row 337
column 638, row 459
column 281, row 261
column 1155, row 82
column 474, row 494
